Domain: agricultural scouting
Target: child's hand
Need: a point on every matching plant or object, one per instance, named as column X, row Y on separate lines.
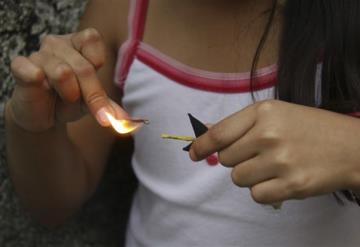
column 285, row 151
column 59, row 82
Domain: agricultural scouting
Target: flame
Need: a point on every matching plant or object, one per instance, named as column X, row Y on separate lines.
column 123, row 126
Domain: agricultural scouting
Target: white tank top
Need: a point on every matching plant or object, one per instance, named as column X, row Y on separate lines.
column 180, row 203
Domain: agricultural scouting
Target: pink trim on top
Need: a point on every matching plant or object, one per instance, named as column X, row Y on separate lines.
column 205, row 80
column 179, row 72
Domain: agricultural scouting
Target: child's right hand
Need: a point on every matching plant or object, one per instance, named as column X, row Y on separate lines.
column 58, row 83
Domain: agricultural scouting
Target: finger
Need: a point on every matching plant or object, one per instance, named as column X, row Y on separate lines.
column 89, row 43
column 59, row 74
column 68, row 112
column 92, row 91
column 271, row 192
column 26, row 73
column 120, row 113
column 241, row 150
column 223, row 134
column 252, row 172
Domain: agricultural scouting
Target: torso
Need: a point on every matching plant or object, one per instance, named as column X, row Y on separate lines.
column 180, row 203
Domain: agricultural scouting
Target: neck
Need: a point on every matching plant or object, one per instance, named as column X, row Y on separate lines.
column 244, row 11
column 243, row 7
column 196, row 25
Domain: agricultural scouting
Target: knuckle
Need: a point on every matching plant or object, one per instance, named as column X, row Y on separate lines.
column 95, row 97
column 35, row 75
column 282, row 159
column 84, row 70
column 269, row 137
column 62, row 72
column 50, row 40
column 91, row 34
column 99, row 61
column 265, row 107
column 91, row 39
column 297, row 187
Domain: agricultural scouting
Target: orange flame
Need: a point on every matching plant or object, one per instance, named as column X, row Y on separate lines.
column 123, row 126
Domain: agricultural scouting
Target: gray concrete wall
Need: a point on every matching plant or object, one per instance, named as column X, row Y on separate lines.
column 103, row 219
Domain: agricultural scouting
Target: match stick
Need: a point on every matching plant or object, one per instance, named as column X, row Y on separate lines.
column 179, row 138
column 139, row 120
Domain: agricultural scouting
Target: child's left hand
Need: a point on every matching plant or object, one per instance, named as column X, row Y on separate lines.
column 285, row 151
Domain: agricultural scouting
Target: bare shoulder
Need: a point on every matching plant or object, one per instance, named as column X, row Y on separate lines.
column 109, row 18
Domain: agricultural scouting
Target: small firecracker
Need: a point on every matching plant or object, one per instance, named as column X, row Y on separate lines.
column 199, row 129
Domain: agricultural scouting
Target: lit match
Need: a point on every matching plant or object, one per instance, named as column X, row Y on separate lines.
column 125, row 126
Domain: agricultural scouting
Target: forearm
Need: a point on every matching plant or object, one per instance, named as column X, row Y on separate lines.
column 48, row 172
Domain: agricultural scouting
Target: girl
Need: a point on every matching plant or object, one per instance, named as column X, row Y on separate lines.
column 198, row 56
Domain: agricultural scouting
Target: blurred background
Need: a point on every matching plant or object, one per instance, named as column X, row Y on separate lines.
column 102, row 222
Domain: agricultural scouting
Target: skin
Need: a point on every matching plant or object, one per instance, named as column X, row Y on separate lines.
column 56, row 150
column 240, row 23
column 284, row 151
column 58, row 143
column 55, row 164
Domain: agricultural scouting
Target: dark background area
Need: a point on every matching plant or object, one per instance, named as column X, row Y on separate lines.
column 102, row 221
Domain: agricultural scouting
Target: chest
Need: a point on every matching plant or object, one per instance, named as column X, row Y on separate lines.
column 219, row 38
column 166, row 103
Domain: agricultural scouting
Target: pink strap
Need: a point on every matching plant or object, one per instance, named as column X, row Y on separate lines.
column 136, row 25
column 203, row 80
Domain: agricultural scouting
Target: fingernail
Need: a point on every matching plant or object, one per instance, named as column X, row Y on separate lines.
column 101, row 116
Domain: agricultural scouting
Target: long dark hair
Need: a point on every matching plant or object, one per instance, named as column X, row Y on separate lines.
column 318, row 36
column 315, row 32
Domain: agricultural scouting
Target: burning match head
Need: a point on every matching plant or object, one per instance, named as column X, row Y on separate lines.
column 125, row 126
